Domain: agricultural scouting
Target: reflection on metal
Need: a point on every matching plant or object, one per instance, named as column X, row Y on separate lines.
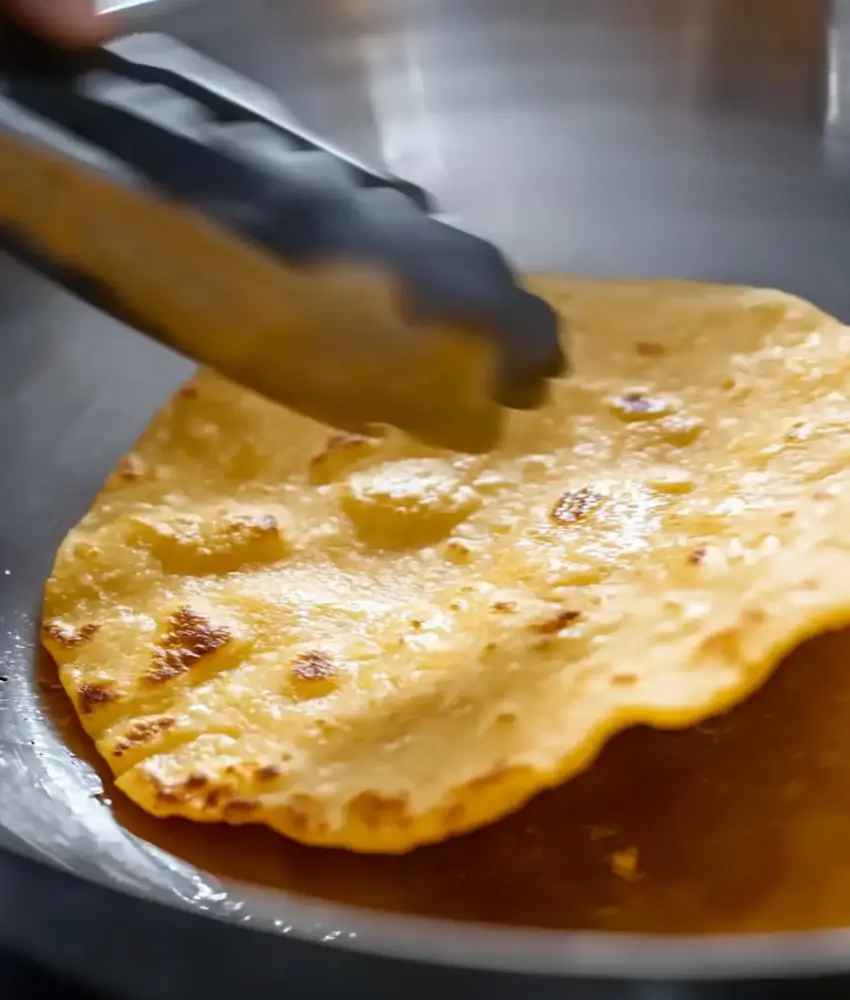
column 408, row 132
column 837, row 118
column 833, row 78
column 114, row 6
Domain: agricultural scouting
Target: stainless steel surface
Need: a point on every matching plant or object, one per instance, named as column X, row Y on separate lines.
column 705, row 138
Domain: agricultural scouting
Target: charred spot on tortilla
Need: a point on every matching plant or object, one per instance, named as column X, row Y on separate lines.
column 190, row 637
column 68, row 636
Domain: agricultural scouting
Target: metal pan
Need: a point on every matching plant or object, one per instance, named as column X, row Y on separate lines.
column 703, row 138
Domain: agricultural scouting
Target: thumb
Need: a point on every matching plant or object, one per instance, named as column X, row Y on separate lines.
column 71, row 23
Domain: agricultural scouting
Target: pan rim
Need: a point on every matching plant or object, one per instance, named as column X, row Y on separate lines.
column 480, row 947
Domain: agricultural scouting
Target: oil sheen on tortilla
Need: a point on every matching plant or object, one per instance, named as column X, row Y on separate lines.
column 367, row 644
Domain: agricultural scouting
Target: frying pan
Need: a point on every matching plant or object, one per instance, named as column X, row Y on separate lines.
column 701, row 138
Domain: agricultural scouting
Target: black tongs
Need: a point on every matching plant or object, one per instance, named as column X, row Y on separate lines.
column 251, row 247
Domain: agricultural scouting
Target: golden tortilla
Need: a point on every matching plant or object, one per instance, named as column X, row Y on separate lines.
column 368, row 644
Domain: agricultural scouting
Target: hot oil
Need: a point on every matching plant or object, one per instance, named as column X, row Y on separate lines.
column 741, row 824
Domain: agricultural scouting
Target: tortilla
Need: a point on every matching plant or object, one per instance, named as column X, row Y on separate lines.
column 368, row 644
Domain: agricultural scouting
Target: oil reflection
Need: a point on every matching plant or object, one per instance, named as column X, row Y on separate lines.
column 738, row 825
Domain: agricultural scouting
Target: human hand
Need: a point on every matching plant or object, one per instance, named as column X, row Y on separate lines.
column 70, row 23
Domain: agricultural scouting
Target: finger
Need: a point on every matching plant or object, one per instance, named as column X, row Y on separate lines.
column 71, row 23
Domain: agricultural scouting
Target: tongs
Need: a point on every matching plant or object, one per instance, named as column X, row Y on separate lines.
column 254, row 248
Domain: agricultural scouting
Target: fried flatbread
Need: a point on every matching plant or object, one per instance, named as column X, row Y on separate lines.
column 368, row 644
